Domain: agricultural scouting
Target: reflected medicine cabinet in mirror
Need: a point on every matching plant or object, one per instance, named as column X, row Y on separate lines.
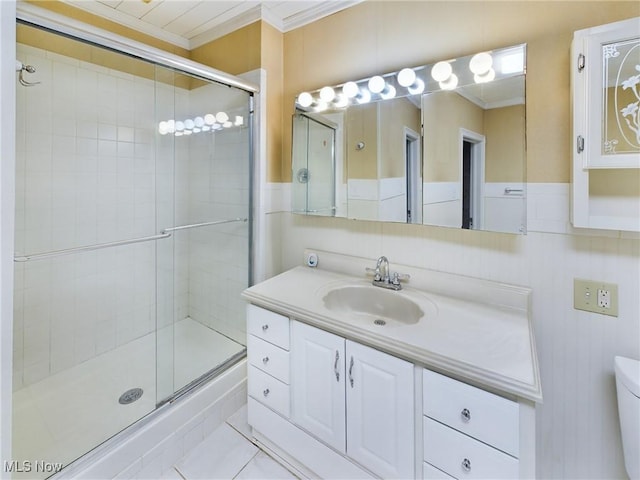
column 439, row 144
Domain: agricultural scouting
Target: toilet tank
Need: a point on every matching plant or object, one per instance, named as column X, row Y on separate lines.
column 628, row 390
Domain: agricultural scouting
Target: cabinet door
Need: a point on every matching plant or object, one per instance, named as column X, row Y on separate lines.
column 317, row 383
column 380, row 406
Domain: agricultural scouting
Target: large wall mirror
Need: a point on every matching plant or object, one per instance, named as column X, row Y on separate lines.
column 440, row 144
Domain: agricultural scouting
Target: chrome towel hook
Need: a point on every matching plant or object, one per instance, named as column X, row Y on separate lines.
column 21, row 68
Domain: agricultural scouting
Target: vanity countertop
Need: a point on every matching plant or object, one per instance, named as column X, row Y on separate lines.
column 490, row 345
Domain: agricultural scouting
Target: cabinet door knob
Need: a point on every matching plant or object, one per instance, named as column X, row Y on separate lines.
column 466, row 465
column 265, row 392
column 465, row 414
column 265, row 360
column 265, row 327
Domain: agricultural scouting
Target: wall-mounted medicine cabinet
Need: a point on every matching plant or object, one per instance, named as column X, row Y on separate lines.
column 605, row 81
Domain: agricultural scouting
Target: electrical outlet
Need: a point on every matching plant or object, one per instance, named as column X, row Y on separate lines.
column 597, row 297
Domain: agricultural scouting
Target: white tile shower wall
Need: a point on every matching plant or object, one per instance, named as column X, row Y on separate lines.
column 85, row 175
column 577, row 426
column 218, row 189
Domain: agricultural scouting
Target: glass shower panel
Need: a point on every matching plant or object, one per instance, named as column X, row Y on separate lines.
column 207, row 257
column 86, row 235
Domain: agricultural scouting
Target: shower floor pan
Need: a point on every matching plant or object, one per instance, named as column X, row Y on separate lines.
column 67, row 414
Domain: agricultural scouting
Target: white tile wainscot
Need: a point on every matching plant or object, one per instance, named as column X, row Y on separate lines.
column 470, row 355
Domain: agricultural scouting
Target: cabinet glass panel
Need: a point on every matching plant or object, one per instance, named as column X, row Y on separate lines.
column 621, row 97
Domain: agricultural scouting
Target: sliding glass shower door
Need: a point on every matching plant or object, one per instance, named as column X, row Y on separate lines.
column 132, row 240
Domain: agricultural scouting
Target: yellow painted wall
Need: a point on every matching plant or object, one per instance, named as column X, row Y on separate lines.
column 383, row 36
column 504, row 129
column 445, row 114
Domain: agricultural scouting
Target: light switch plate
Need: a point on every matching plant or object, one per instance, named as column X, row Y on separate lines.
column 597, row 297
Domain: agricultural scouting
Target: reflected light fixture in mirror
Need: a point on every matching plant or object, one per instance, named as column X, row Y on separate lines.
column 480, row 68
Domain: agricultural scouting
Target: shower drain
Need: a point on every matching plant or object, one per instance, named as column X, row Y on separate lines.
column 130, row 396
column 379, row 322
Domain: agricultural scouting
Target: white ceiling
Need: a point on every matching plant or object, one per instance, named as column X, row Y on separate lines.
column 191, row 23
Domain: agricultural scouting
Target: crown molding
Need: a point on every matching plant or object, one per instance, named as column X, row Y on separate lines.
column 310, row 15
column 238, row 21
column 247, row 17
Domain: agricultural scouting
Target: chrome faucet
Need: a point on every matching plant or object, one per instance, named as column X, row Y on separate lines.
column 382, row 270
column 383, row 277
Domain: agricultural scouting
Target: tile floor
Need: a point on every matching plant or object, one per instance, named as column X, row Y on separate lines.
column 227, row 453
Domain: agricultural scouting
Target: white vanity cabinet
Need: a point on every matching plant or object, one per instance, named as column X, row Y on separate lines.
column 354, row 398
column 468, row 432
column 334, row 408
column 268, row 356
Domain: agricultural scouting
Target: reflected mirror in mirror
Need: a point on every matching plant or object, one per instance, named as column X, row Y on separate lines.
column 443, row 144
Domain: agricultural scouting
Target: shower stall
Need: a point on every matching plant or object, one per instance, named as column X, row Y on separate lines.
column 132, row 239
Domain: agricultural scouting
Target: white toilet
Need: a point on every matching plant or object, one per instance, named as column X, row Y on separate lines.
column 628, row 389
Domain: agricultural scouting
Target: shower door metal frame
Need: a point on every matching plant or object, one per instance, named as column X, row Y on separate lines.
column 31, row 15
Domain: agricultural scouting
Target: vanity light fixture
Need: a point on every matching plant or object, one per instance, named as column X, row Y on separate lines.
column 444, row 75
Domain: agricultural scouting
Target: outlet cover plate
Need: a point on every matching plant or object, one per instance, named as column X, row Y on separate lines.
column 588, row 295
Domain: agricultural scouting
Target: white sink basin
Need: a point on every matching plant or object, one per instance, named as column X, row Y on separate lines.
column 373, row 305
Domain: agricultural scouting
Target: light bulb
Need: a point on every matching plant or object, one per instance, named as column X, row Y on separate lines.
column 209, row 119
column 485, row 78
column 199, row 122
column 417, row 87
column 163, row 128
column 321, row 105
column 171, row 126
column 377, row 84
column 239, row 121
column 227, row 124
column 480, row 63
column 364, row 97
column 222, row 117
column 305, row 99
column 351, row 89
column 178, row 134
column 341, row 101
column 206, row 128
column 196, row 130
column 406, row 77
column 441, row 71
column 188, row 124
column 327, row 94
column 450, row 83
column 388, row 92
column 179, row 126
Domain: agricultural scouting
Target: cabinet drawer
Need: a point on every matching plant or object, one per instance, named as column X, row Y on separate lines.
column 429, row 472
column 268, row 325
column 480, row 414
column 463, row 457
column 268, row 390
column 268, row 357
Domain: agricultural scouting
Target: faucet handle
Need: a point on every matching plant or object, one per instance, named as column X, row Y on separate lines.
column 396, row 277
column 373, row 271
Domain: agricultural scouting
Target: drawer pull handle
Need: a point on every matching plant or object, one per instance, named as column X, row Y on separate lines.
column 265, row 360
column 265, row 392
column 265, row 327
column 466, row 415
column 336, row 370
column 466, row 465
